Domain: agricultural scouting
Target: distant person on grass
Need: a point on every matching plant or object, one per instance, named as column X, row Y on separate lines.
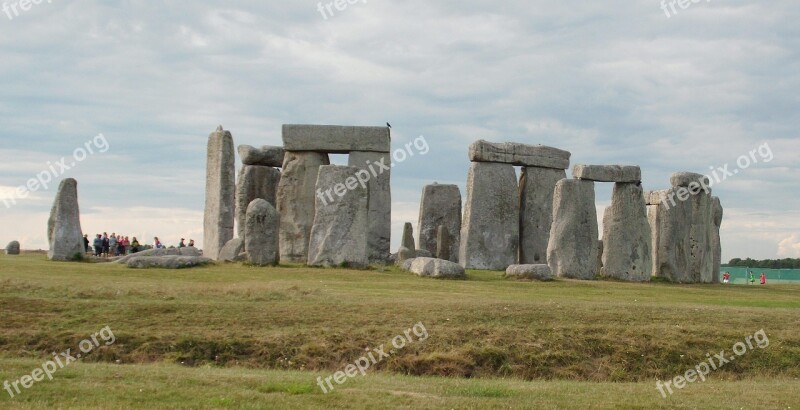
column 763, row 278
column 98, row 245
column 134, row 245
column 112, row 244
column 751, row 279
column 86, row 243
column 726, row 277
column 105, row 244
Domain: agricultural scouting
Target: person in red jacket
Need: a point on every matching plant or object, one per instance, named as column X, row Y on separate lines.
column 763, row 278
column 726, row 277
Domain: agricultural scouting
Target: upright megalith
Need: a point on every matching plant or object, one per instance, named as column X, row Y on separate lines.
column 407, row 247
column 716, row 243
column 375, row 175
column 443, row 243
column 12, row 248
column 296, row 198
column 627, row 242
column 218, row 220
column 490, row 229
column 440, row 206
column 64, row 226
column 261, row 233
column 572, row 249
column 255, row 181
column 683, row 223
column 536, row 187
column 339, row 233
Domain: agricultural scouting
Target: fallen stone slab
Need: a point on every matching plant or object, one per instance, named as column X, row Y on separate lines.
column 519, row 154
column 404, row 254
column 335, row 139
column 167, row 262
column 12, row 248
column 437, row 268
column 536, row 272
column 607, row 173
column 232, row 250
column 267, row 156
column 187, row 251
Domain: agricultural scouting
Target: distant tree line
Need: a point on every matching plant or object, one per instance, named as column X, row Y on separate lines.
column 787, row 263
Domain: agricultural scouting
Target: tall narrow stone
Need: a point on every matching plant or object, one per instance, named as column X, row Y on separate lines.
column 536, row 187
column 261, row 233
column 627, row 242
column 296, row 196
column 440, row 206
column 490, row 229
column 701, row 237
column 408, row 237
column 255, row 181
column 64, row 226
column 218, row 220
column 375, row 173
column 717, row 244
column 339, row 233
column 443, row 243
column 670, row 224
column 572, row 249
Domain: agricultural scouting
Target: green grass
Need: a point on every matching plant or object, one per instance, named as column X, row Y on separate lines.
column 492, row 342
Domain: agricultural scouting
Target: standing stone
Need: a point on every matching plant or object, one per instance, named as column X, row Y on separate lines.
column 12, row 248
column 670, row 226
column 64, row 226
column 339, row 233
column 296, row 196
column 440, row 206
column 261, row 233
column 627, row 242
column 220, row 192
column 407, row 248
column 572, row 249
column 443, row 243
column 536, row 187
column 375, row 173
column 717, row 244
column 255, row 181
column 490, row 229
column 701, row 237
column 599, row 255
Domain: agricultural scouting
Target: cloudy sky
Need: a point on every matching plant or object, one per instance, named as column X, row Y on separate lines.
column 613, row 82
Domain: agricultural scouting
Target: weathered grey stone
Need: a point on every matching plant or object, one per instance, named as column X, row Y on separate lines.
column 599, row 256
column 530, row 271
column 296, row 198
column 519, row 154
column 423, row 253
column 684, row 179
column 12, row 248
column 261, row 233
column 608, row 173
column 715, row 240
column 437, row 268
column 408, row 237
column 443, row 243
column 404, row 253
column 187, row 251
column 440, row 206
column 335, row 138
column 64, row 226
column 267, row 156
column 220, row 206
column 572, row 249
column 490, row 229
column 231, row 251
column 683, row 236
column 374, row 171
column 627, row 241
column 339, row 234
column 166, row 262
column 536, row 187
column 255, row 181
column 406, row 264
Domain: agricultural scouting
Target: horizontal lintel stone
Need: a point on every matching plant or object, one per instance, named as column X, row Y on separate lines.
column 608, row 173
column 335, row 139
column 519, row 154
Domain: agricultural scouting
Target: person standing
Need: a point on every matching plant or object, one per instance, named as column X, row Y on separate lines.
column 105, row 244
column 98, row 245
column 112, row 244
column 751, row 279
column 134, row 245
column 763, row 278
column 156, row 243
column 85, row 243
column 191, row 243
column 182, row 245
column 726, row 277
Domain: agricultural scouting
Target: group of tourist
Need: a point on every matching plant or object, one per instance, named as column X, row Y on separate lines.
column 751, row 279
column 106, row 245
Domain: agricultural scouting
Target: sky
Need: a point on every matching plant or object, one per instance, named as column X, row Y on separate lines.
column 126, row 92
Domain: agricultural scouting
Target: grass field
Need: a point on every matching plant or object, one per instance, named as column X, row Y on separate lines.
column 244, row 337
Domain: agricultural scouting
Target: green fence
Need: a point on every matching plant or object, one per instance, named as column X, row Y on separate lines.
column 739, row 275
